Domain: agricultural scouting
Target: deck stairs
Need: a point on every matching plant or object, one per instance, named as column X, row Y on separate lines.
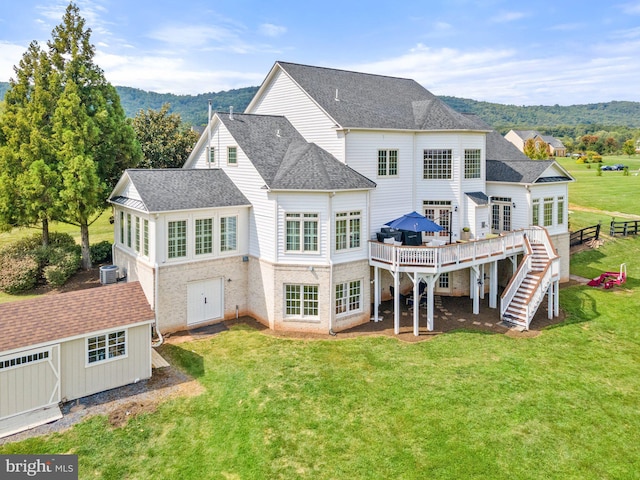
column 524, row 294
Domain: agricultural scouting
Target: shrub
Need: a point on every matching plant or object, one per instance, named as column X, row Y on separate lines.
column 63, row 265
column 18, row 273
column 101, row 252
column 581, row 160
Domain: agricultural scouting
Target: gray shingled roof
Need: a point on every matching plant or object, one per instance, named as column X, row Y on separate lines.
column 285, row 160
column 164, row 190
column 375, row 101
column 526, row 134
column 553, row 141
column 479, row 198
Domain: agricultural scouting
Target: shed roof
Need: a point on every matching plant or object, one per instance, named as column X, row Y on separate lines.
column 170, row 189
column 362, row 100
column 52, row 318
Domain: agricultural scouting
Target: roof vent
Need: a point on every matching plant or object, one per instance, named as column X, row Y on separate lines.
column 337, row 99
column 108, row 274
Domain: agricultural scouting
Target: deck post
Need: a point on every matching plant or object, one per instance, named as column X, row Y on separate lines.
column 493, row 284
column 556, row 303
column 416, row 305
column 376, row 293
column 396, row 302
column 550, row 294
column 475, row 289
column 431, row 283
column 481, row 282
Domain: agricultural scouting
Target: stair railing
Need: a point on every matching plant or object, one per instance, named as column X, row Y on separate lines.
column 523, row 269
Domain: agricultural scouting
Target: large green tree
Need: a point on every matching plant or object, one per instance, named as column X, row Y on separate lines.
column 165, row 141
column 536, row 149
column 66, row 136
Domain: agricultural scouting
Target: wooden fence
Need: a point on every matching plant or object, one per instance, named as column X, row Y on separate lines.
column 586, row 234
column 630, row 227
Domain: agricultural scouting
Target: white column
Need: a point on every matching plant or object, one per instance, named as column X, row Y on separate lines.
column 475, row 288
column 493, row 284
column 556, row 306
column 550, row 301
column 376, row 293
column 416, row 305
column 396, row 302
column 481, row 277
column 431, row 283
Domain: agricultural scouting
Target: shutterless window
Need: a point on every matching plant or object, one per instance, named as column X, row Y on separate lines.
column 348, row 230
column 472, row 163
column 443, row 280
column 348, row 297
column 535, row 212
column 301, row 300
column 177, row 245
column 145, row 237
column 387, row 163
column 232, row 155
column 204, row 236
column 122, row 227
column 437, row 164
column 106, row 347
column 302, row 232
column 548, row 211
column 212, row 155
column 138, row 232
column 129, row 230
column 228, row 234
column 560, row 210
column 17, row 361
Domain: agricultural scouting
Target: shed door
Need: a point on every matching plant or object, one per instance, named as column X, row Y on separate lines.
column 205, row 301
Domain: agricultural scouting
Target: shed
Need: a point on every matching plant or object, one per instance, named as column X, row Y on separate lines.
column 57, row 348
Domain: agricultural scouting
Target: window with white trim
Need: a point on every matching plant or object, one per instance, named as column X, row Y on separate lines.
column 204, row 236
column 232, row 155
column 302, row 232
column 129, row 226
column 387, row 163
column 440, row 212
column 348, row 230
column 145, row 237
column 177, row 239
column 212, row 155
column 443, row 280
column 301, row 301
column 548, row 211
column 437, row 164
column 122, row 228
column 348, row 297
column 535, row 212
column 560, row 210
column 472, row 163
column 228, row 234
column 106, row 347
column 138, row 233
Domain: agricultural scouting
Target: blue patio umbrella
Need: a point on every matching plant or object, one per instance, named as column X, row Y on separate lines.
column 414, row 222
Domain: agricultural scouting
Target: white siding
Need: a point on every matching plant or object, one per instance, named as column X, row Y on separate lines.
column 521, row 213
column 284, row 97
column 349, row 202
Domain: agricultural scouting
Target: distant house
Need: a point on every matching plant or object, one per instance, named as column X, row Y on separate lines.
column 279, row 212
column 56, row 348
column 519, row 137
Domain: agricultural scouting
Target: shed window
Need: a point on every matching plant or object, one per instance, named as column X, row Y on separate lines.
column 24, row 359
column 107, row 346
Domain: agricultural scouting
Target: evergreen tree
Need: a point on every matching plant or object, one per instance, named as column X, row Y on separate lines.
column 65, row 138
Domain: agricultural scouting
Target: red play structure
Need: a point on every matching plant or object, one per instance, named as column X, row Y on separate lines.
column 609, row 279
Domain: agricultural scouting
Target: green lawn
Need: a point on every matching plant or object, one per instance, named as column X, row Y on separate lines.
column 463, row 405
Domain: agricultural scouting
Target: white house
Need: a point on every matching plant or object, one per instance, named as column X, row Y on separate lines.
column 277, row 210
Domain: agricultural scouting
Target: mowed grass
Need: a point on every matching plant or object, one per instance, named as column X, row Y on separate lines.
column 611, row 191
column 463, row 405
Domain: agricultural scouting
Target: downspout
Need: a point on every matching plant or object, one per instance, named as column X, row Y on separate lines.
column 155, row 307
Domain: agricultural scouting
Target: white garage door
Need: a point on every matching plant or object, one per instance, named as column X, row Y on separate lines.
column 29, row 389
column 205, row 301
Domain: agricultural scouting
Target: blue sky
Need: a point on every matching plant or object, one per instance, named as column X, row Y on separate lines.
column 522, row 53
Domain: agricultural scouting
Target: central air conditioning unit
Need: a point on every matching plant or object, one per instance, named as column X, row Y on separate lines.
column 108, row 274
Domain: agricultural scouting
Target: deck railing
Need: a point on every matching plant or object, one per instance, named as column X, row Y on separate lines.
column 437, row 257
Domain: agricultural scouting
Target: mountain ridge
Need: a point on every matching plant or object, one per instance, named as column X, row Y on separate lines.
column 193, row 109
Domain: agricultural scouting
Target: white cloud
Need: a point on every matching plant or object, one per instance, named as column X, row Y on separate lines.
column 10, row 55
column 631, row 8
column 506, row 17
column 271, row 30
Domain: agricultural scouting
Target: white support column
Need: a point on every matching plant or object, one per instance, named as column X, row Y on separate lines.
column 550, row 301
column 431, row 283
column 481, row 276
column 514, row 264
column 475, row 289
column 493, row 284
column 376, row 293
column 416, row 305
column 556, row 303
column 472, row 276
column 396, row 302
